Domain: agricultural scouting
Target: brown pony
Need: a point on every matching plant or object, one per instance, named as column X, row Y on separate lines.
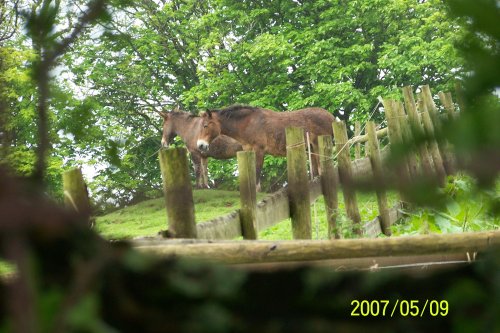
column 262, row 130
column 188, row 126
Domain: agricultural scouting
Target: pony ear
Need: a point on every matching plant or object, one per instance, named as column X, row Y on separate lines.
column 208, row 113
column 163, row 114
column 176, row 109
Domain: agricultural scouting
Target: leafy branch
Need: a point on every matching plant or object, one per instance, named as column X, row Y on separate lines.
column 40, row 24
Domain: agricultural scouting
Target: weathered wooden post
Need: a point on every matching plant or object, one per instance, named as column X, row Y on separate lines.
column 357, row 147
column 248, row 194
column 460, row 96
column 406, row 136
column 376, row 162
column 417, row 130
column 178, row 192
column 447, row 101
column 298, row 183
column 433, row 146
column 436, row 122
column 345, row 175
column 426, row 96
column 75, row 192
column 329, row 184
column 395, row 137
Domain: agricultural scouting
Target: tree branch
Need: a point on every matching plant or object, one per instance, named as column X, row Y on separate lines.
column 42, row 69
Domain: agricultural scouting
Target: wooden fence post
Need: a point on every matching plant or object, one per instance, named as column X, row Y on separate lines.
column 248, row 194
column 447, row 101
column 178, row 192
column 395, row 138
column 75, row 192
column 357, row 147
column 434, row 149
column 298, row 183
column 329, row 183
column 460, row 96
column 417, row 130
column 436, row 122
column 345, row 175
column 406, row 136
column 376, row 162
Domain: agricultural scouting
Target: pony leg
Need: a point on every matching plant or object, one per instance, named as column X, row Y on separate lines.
column 197, row 170
column 204, row 172
column 259, row 161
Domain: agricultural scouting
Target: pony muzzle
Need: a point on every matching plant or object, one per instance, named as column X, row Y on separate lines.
column 202, row 145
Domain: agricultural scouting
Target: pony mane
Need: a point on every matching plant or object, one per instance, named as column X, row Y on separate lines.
column 237, row 111
column 185, row 114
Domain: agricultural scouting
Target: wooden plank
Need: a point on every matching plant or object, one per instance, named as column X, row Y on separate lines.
column 232, row 252
column 273, row 209
column 373, row 228
column 412, row 264
column 248, row 193
column 300, row 203
column 224, row 227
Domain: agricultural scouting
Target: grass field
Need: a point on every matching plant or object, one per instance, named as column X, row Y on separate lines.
column 467, row 209
column 149, row 217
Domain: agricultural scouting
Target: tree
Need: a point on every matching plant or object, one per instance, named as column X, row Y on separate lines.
column 282, row 55
column 335, row 54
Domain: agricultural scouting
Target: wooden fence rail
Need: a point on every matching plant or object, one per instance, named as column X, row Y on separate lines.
column 239, row 252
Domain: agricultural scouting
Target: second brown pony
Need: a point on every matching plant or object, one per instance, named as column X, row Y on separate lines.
column 263, row 130
column 188, row 126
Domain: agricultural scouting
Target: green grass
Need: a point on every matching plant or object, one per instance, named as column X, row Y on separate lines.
column 367, row 204
column 149, row 217
column 467, row 209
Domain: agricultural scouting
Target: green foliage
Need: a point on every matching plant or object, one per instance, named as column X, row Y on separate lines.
column 337, row 55
column 466, row 208
column 18, row 119
column 222, row 174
